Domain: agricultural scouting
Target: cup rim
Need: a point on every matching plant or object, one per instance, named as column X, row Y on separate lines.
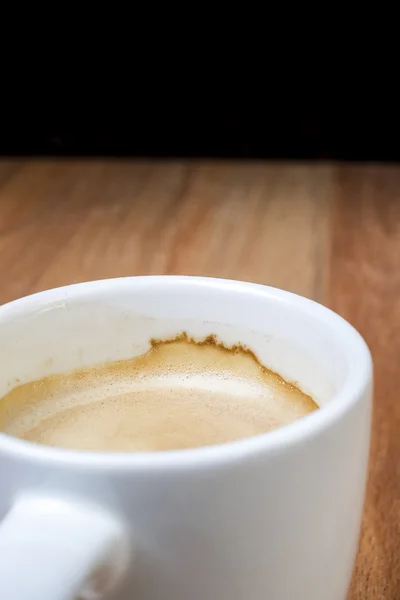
column 270, row 442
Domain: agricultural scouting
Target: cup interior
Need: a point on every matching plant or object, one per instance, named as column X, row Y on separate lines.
column 92, row 323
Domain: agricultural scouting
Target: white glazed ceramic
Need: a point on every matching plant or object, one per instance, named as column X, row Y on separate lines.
column 273, row 517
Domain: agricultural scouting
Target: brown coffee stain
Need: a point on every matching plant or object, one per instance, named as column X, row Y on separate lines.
column 238, row 349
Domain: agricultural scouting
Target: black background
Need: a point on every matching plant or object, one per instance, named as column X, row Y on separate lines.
column 246, row 132
column 318, row 83
column 298, row 118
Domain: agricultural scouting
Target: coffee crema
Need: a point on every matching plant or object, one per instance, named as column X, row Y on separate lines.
column 180, row 394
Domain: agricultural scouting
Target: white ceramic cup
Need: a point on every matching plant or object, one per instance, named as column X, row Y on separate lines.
column 275, row 516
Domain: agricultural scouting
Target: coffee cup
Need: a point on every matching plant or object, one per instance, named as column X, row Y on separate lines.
column 276, row 515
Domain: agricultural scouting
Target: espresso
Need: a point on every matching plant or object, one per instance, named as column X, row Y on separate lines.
column 180, row 394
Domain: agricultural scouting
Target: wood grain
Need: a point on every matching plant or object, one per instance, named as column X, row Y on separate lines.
column 365, row 288
column 328, row 232
column 66, row 222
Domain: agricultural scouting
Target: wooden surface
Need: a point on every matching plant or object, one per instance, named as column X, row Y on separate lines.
column 331, row 233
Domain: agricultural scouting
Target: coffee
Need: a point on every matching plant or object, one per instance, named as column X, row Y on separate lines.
column 179, row 394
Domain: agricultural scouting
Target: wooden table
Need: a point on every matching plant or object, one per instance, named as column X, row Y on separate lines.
column 328, row 232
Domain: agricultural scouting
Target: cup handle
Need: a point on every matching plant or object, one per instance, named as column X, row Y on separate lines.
column 56, row 549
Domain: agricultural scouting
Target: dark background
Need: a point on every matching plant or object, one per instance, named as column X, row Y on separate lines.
column 286, row 90
column 287, row 125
